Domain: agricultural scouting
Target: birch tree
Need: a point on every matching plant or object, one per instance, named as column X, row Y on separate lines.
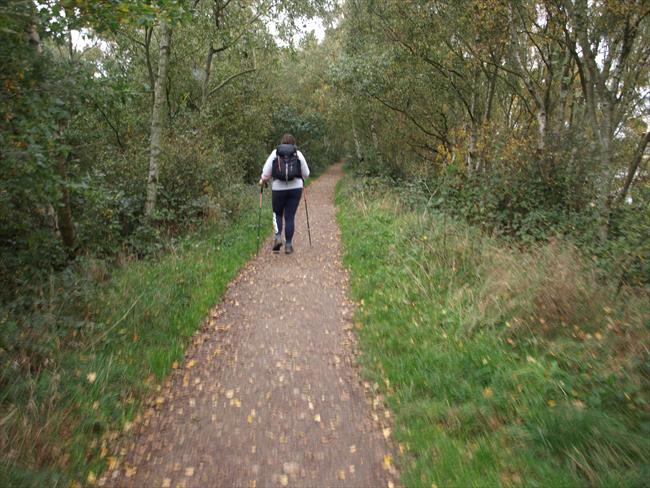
column 157, row 116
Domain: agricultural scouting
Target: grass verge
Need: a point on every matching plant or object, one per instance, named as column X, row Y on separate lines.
column 57, row 418
column 503, row 367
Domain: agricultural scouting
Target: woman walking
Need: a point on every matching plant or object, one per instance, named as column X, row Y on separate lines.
column 288, row 169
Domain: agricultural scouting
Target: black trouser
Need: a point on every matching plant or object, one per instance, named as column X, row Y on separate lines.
column 285, row 203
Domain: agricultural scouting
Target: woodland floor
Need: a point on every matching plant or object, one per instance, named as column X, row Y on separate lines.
column 269, row 393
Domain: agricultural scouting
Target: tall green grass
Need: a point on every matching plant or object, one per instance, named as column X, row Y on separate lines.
column 503, row 367
column 58, row 422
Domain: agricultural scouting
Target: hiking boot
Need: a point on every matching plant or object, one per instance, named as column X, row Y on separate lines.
column 277, row 244
column 288, row 249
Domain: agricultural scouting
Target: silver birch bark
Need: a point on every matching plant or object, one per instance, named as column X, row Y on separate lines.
column 157, row 116
column 357, row 144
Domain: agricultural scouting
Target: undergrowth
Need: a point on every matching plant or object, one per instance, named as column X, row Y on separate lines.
column 79, row 360
column 504, row 367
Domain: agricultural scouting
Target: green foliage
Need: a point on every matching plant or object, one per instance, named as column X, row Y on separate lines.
column 503, row 367
column 488, row 106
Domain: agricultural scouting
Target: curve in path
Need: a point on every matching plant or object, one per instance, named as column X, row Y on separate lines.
column 269, row 394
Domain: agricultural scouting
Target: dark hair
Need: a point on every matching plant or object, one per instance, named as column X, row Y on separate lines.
column 288, row 139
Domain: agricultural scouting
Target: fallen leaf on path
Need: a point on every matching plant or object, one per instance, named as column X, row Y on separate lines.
column 291, row 468
column 91, row 377
column 388, row 462
column 317, row 418
column 284, row 480
column 229, row 394
column 191, row 363
column 386, row 433
column 166, row 483
column 189, row 471
column 353, row 449
column 130, row 472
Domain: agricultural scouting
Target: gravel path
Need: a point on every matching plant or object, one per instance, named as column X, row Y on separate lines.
column 269, row 394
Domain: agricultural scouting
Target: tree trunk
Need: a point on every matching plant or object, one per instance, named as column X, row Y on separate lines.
column 634, row 166
column 157, row 116
column 375, row 143
column 357, row 145
column 206, row 75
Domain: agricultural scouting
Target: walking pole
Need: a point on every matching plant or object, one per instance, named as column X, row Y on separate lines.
column 259, row 220
column 304, row 194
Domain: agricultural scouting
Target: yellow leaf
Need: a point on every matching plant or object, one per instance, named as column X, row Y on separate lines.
column 160, row 400
column 341, row 474
column 174, row 366
column 386, row 433
column 167, row 482
column 230, row 394
column 353, row 449
column 552, row 403
column 284, row 480
column 317, row 417
column 91, row 377
column 391, row 484
column 191, row 363
column 189, row 471
column 91, row 479
column 130, row 472
column 488, row 393
column 112, row 463
column 388, row 460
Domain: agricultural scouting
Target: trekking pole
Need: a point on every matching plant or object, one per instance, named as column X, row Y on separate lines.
column 259, row 220
column 304, row 194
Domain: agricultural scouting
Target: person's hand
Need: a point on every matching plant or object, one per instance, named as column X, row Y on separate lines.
column 262, row 183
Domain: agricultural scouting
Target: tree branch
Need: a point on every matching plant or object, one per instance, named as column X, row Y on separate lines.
column 229, row 79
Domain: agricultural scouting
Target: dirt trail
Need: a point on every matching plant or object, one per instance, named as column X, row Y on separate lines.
column 268, row 394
